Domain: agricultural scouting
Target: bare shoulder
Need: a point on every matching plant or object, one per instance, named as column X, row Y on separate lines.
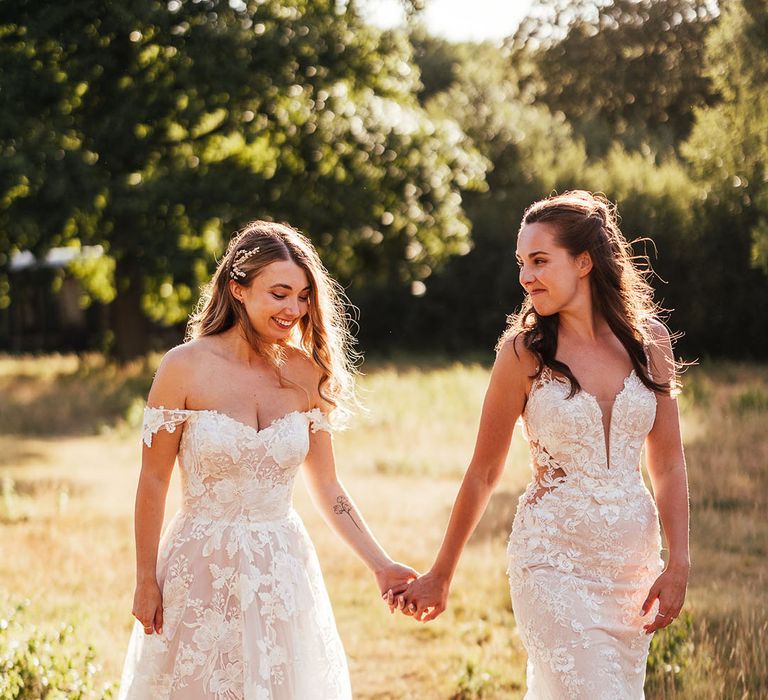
column 173, row 377
column 660, row 354
column 516, row 357
column 515, row 364
column 659, row 332
column 300, row 369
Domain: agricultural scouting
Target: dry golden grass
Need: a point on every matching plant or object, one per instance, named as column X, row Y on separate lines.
column 69, row 447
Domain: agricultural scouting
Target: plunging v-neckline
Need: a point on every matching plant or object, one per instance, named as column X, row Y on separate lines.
column 606, row 430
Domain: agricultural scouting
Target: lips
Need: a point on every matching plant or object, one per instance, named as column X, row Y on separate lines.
column 282, row 323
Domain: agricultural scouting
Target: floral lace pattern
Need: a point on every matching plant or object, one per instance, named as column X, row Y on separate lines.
column 246, row 612
column 585, row 543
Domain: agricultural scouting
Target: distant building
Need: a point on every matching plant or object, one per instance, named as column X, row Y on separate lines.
column 40, row 319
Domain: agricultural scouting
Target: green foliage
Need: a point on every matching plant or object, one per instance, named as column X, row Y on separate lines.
column 728, row 148
column 624, row 70
column 751, row 400
column 474, row 682
column 39, row 665
column 531, row 152
column 672, row 649
column 154, row 129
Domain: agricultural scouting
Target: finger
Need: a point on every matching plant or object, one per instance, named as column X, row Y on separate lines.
column 147, row 627
column 433, row 613
column 400, row 588
column 401, row 602
column 660, row 621
column 159, row 619
column 648, row 602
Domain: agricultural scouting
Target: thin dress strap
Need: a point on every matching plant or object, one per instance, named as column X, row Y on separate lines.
column 157, row 418
column 320, row 421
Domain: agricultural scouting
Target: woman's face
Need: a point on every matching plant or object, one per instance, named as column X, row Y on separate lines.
column 276, row 299
column 548, row 272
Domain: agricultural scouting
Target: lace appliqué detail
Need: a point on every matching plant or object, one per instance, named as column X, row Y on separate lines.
column 585, row 543
column 246, row 612
column 160, row 418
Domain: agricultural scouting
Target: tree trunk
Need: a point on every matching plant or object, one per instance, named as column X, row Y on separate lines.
column 129, row 325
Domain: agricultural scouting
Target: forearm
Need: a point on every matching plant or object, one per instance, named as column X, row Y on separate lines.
column 344, row 517
column 470, row 504
column 671, row 492
column 149, row 513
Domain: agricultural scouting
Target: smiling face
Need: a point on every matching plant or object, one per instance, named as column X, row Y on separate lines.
column 276, row 300
column 552, row 277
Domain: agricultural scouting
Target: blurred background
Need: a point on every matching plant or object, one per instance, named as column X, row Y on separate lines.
column 405, row 138
column 136, row 138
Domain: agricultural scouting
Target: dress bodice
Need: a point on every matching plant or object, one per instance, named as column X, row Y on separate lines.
column 568, row 436
column 231, row 471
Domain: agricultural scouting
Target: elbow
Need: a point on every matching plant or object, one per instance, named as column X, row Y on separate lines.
column 487, row 477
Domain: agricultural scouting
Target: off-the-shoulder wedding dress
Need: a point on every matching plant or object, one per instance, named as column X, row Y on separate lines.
column 246, row 612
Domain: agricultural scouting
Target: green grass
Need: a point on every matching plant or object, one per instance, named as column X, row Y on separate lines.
column 69, row 456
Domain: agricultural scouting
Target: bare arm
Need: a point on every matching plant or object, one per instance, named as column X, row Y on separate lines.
column 338, row 509
column 665, row 461
column 156, row 468
column 504, row 402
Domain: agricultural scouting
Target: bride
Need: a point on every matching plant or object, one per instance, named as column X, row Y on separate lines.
column 231, row 603
column 591, row 372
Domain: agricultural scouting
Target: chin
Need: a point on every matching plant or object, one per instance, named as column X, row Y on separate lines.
column 543, row 309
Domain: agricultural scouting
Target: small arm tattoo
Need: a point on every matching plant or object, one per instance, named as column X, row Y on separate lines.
column 342, row 507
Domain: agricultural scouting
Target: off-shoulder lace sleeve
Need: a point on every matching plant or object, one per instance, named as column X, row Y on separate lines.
column 159, row 418
column 321, row 421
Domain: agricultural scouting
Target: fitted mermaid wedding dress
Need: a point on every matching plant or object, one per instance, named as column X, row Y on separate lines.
column 246, row 612
column 585, row 543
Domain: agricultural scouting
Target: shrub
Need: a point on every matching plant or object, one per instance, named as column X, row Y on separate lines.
column 45, row 665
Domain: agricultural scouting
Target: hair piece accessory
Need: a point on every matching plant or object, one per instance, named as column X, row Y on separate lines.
column 240, row 258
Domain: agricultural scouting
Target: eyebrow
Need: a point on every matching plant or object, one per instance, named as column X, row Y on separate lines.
column 535, row 252
column 282, row 285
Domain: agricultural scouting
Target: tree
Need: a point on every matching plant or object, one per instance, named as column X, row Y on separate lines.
column 626, row 69
column 530, row 151
column 155, row 128
column 728, row 149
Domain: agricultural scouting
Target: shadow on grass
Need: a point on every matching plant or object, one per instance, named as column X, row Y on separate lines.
column 73, row 396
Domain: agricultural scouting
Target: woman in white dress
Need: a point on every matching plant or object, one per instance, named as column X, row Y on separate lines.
column 590, row 370
column 231, row 603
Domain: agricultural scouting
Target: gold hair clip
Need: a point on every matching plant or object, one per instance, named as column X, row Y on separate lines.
column 240, row 258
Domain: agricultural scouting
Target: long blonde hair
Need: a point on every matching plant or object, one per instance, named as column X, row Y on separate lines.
column 323, row 334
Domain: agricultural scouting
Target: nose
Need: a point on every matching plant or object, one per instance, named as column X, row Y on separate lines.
column 526, row 276
column 292, row 306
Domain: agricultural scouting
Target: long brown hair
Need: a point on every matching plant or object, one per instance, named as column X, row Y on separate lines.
column 621, row 294
column 323, row 333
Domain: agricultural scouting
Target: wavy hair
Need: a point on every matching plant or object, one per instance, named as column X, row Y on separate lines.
column 323, row 334
column 621, row 294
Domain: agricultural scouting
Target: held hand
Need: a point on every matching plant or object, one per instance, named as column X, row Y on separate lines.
column 426, row 597
column 393, row 579
column 148, row 607
column 669, row 589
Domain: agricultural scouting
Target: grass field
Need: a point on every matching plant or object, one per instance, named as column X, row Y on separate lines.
column 69, row 459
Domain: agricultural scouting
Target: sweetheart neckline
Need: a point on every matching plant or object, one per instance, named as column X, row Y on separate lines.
column 256, row 431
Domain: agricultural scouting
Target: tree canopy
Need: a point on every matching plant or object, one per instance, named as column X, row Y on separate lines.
column 155, row 128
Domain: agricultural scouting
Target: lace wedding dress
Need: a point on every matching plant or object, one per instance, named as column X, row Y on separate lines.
column 246, row 612
column 585, row 543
